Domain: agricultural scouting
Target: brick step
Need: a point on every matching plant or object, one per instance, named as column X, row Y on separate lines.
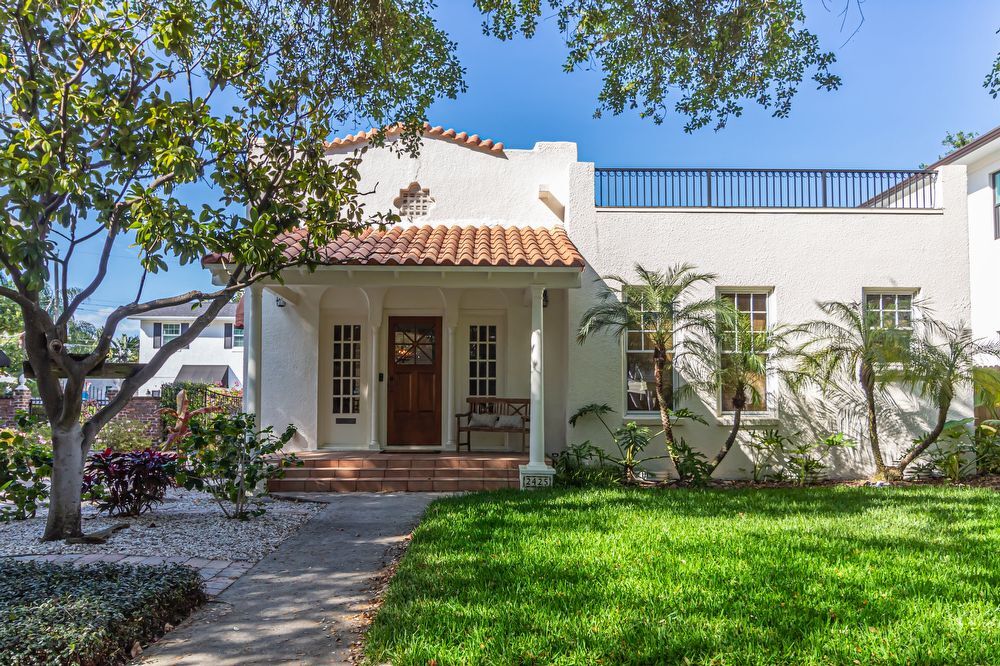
column 376, row 463
column 395, row 473
column 390, row 485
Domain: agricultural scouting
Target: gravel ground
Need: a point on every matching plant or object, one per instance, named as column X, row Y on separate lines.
column 187, row 524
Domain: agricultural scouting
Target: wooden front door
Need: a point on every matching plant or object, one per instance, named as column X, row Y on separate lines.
column 414, row 405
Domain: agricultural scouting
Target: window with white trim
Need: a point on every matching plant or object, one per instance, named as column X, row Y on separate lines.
column 640, row 382
column 890, row 310
column 483, row 360
column 171, row 331
column 237, row 337
column 753, row 304
column 346, row 369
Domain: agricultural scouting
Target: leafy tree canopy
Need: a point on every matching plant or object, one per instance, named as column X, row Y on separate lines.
column 116, row 114
column 714, row 55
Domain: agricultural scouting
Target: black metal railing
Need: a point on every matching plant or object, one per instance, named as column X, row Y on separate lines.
column 764, row 188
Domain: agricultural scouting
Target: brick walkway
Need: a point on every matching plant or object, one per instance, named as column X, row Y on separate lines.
column 217, row 574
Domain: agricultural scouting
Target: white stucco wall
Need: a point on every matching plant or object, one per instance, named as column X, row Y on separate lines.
column 207, row 349
column 984, row 248
column 470, row 186
column 803, row 256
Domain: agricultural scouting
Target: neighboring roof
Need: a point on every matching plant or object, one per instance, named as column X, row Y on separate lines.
column 228, row 310
column 461, row 138
column 203, row 374
column 443, row 245
column 972, row 146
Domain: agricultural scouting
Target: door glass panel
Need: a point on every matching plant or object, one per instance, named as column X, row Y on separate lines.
column 413, row 345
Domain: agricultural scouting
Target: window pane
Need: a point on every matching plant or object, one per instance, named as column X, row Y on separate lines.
column 346, row 372
column 482, row 360
column 640, row 387
column 996, row 189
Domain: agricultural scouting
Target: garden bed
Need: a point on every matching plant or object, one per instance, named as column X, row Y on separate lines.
column 96, row 614
column 870, row 575
column 186, row 524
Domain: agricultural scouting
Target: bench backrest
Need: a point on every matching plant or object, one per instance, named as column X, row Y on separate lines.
column 501, row 406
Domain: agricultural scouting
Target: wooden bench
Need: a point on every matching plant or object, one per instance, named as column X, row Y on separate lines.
column 511, row 408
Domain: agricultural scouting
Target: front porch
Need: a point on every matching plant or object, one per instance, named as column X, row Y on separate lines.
column 381, row 351
column 377, row 471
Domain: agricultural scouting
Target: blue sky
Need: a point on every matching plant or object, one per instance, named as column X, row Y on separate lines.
column 913, row 71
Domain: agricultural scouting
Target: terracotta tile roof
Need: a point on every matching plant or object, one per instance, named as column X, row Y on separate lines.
column 444, row 245
column 438, row 132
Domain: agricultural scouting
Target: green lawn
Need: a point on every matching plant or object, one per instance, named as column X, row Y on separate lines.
column 813, row 576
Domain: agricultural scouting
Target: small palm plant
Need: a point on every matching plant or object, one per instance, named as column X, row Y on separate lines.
column 734, row 360
column 851, row 345
column 942, row 358
column 662, row 305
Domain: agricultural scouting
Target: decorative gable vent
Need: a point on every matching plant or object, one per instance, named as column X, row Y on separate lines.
column 414, row 201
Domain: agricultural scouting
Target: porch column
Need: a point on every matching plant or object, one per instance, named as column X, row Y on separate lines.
column 373, row 391
column 251, row 379
column 449, row 386
column 536, row 474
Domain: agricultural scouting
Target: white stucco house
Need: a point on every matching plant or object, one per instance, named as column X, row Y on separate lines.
column 981, row 159
column 480, row 290
column 214, row 357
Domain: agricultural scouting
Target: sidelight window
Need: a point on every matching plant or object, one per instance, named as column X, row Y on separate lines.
column 346, row 369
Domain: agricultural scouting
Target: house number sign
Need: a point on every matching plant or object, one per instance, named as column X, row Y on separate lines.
column 536, row 481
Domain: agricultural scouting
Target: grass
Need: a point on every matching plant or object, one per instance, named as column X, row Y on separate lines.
column 834, row 575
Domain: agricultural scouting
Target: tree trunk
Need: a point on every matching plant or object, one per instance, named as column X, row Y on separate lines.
column 942, row 417
column 659, row 365
column 868, row 385
column 728, row 444
column 69, row 449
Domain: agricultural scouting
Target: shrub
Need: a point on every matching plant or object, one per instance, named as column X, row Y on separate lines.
column 59, row 614
column 583, row 466
column 777, row 457
column 128, row 483
column 231, row 460
column 25, row 465
column 962, row 451
column 986, row 447
column 125, row 435
column 804, row 461
column 630, row 439
column 767, row 448
column 692, row 466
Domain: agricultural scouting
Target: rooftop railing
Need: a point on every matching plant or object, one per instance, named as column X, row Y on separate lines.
column 764, row 188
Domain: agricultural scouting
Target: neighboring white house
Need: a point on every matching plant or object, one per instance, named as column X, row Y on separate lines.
column 214, row 357
column 481, row 289
column 981, row 158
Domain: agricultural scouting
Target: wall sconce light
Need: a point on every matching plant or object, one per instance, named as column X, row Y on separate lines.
column 279, row 301
column 545, row 298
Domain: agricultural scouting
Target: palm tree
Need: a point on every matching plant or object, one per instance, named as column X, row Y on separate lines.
column 849, row 344
column 662, row 305
column 735, row 359
column 941, row 359
column 125, row 349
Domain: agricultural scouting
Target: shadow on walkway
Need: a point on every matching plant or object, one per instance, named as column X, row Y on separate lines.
column 301, row 604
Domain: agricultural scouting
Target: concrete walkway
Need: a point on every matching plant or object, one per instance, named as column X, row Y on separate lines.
column 300, row 604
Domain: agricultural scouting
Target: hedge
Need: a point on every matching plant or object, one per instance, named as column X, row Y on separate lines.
column 90, row 615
